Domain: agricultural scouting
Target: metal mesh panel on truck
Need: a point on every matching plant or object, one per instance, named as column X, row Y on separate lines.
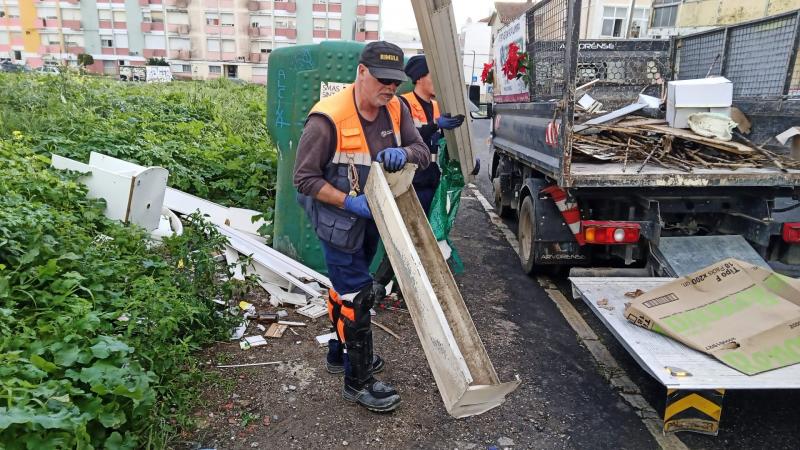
column 759, row 57
column 623, row 67
column 546, row 37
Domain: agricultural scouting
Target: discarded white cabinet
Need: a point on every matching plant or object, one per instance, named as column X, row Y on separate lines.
column 465, row 376
column 133, row 194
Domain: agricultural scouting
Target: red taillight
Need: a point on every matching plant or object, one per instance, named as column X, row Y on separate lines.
column 602, row 232
column 791, row 232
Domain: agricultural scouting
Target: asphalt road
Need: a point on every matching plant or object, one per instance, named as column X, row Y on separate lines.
column 565, row 374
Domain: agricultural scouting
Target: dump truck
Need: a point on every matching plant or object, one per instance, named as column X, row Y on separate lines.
column 637, row 215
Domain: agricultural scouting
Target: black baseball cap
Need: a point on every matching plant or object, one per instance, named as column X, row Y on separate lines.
column 384, row 60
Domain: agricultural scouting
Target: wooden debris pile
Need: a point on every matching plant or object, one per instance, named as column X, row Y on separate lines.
column 637, row 142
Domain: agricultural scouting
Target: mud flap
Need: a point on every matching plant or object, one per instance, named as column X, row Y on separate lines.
column 697, row 411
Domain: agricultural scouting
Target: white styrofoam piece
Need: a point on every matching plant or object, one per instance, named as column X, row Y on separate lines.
column 323, row 339
column 654, row 351
column 705, row 92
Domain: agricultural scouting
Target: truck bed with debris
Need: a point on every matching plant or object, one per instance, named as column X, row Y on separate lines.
column 626, row 177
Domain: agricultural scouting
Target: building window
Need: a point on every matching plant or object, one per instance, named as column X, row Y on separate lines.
column 640, row 18
column 17, row 55
column 372, row 25
column 613, row 21
column 214, row 69
column 664, row 15
column 212, row 19
column 104, row 14
column 335, row 24
column 320, row 24
column 226, row 20
column 213, row 45
column 107, row 43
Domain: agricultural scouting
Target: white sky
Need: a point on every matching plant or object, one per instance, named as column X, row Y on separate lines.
column 398, row 15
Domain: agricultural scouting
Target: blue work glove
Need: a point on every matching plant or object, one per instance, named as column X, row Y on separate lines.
column 393, row 158
column 446, row 122
column 358, row 205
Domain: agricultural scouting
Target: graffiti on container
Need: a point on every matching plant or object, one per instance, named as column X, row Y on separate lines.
column 328, row 88
column 303, row 61
column 158, row 74
column 280, row 120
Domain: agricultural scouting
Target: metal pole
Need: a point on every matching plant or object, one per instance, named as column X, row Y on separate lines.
column 630, row 19
column 472, row 76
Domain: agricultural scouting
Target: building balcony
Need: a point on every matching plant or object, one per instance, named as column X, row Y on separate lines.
column 182, row 4
column 259, row 57
column 9, row 22
column 179, row 29
column 361, row 10
column 107, row 24
column 52, row 48
column 217, row 29
column 224, row 56
column 290, row 33
column 259, row 32
column 286, row 6
column 41, row 23
column 361, row 36
column 335, row 7
column 318, row 7
column 154, row 53
column 258, row 79
column 71, row 24
column 334, row 34
column 254, row 5
column 152, row 26
column 17, row 41
column 320, row 33
column 373, row 9
column 180, row 54
column 149, row 2
column 372, row 36
column 75, row 50
column 219, row 4
column 114, row 51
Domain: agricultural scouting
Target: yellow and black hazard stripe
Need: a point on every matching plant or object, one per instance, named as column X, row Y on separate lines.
column 697, row 411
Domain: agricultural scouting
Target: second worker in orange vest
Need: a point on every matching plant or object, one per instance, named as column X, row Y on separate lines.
column 343, row 134
column 429, row 122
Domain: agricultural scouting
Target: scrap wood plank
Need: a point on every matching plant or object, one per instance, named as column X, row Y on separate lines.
column 437, row 29
column 312, row 311
column 728, row 146
column 461, row 367
column 276, row 330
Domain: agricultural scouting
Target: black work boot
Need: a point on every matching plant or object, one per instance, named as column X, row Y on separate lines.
column 359, row 384
column 334, row 362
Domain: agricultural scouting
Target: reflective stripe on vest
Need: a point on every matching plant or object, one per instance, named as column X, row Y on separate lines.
column 351, row 143
column 417, row 112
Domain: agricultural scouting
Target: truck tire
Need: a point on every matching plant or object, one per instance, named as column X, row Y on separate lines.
column 504, row 210
column 526, row 235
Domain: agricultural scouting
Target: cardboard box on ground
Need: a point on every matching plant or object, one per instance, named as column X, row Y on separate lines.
column 746, row 316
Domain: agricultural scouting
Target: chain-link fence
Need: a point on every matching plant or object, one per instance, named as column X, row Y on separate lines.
column 759, row 57
column 546, row 45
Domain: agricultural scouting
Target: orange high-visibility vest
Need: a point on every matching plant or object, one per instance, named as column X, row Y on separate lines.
column 417, row 113
column 351, row 143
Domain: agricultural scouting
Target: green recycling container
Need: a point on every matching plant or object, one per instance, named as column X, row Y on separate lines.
column 296, row 78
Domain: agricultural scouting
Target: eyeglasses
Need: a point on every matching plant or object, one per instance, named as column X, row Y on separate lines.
column 387, row 82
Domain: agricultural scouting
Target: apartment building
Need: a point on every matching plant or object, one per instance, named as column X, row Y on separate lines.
column 201, row 39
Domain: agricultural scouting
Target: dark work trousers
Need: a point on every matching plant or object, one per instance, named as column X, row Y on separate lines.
column 349, row 272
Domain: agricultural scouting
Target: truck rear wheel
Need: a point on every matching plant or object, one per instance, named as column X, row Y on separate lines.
column 526, row 233
column 504, row 210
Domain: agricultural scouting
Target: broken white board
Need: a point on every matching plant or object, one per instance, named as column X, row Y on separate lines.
column 464, row 374
column 278, row 296
column 312, row 310
column 132, row 196
column 236, row 218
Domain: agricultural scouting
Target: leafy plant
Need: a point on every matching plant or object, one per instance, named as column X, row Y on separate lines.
column 211, row 136
column 85, row 59
column 98, row 330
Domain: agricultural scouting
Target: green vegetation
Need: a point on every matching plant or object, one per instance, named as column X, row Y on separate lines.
column 211, row 136
column 98, row 330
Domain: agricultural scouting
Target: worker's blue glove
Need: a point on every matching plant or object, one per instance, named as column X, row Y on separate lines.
column 358, row 205
column 393, row 158
column 446, row 122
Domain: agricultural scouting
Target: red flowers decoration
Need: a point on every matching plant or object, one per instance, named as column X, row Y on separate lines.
column 516, row 65
column 487, row 76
